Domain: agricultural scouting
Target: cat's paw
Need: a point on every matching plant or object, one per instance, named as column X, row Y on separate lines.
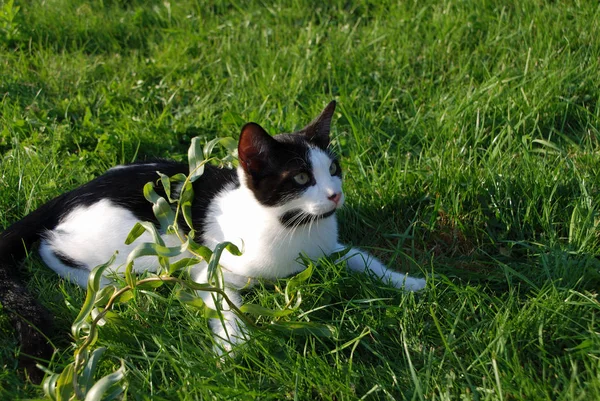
column 226, row 347
column 228, row 334
column 403, row 281
column 222, row 348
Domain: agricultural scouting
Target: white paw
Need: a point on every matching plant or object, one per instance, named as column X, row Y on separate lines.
column 222, row 347
column 229, row 335
column 408, row 283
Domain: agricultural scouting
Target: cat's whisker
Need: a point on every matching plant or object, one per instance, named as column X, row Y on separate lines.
column 297, row 222
column 311, row 224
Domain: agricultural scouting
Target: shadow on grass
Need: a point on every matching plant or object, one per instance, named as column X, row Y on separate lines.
column 410, row 236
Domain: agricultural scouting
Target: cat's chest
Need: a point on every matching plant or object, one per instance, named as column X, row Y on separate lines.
column 269, row 249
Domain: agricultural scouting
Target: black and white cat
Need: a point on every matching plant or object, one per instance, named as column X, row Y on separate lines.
column 279, row 203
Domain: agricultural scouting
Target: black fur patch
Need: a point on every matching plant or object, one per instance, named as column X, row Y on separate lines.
column 68, row 261
column 274, row 183
column 286, row 157
column 124, row 187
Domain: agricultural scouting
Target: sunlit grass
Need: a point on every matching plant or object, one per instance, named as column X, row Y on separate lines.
column 469, row 138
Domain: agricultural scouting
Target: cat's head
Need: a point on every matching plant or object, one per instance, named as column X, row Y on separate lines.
column 293, row 173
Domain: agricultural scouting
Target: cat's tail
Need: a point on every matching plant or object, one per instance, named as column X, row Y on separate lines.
column 17, row 239
column 32, row 322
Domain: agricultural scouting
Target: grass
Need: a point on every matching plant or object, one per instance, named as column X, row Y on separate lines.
column 469, row 134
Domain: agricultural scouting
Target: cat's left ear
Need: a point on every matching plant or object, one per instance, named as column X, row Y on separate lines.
column 254, row 147
column 318, row 130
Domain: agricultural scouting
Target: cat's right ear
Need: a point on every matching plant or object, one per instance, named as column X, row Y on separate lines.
column 253, row 147
column 318, row 130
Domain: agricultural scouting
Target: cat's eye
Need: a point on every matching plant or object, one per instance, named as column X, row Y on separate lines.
column 302, row 178
column 333, row 168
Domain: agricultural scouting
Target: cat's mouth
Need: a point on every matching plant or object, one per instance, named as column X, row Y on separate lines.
column 297, row 217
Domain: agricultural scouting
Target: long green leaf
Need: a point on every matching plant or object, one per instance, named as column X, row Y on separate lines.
column 152, row 249
column 213, row 264
column 185, row 203
column 200, row 250
column 136, row 231
column 229, row 144
column 164, row 213
column 160, row 207
column 130, row 277
column 182, row 264
column 165, row 180
column 195, row 159
column 209, row 146
column 98, row 390
column 149, row 285
column 198, row 303
column 64, row 384
column 151, row 228
column 300, row 278
column 336, row 256
column 88, row 305
column 49, row 386
column 124, row 297
column 163, row 253
column 259, row 310
column 85, row 379
column 304, row 328
column 104, row 295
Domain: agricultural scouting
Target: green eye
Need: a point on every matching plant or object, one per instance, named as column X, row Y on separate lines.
column 333, row 168
column 302, row 178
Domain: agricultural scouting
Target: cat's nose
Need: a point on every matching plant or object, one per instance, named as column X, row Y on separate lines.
column 335, row 198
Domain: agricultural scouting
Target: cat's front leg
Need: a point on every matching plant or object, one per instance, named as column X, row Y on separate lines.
column 229, row 329
column 361, row 261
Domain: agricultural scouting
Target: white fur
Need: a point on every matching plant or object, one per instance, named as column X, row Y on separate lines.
column 269, row 249
column 91, row 235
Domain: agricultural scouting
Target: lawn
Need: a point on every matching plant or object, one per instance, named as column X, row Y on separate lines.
column 469, row 135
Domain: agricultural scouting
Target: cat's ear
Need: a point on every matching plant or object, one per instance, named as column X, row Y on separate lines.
column 254, row 147
column 318, row 130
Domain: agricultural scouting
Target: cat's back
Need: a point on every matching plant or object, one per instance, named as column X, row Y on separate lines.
column 123, row 186
column 96, row 218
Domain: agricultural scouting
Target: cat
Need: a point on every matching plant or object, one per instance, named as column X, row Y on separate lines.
column 279, row 203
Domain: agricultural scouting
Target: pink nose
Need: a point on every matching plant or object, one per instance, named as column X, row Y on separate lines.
column 335, row 198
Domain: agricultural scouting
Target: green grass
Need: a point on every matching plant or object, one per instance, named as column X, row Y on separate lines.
column 469, row 133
